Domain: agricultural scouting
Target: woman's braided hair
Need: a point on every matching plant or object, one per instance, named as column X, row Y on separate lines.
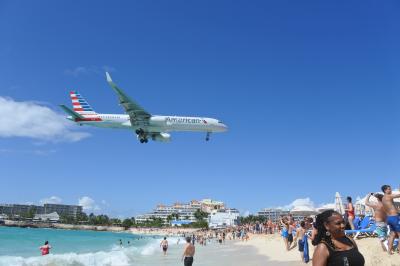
column 322, row 235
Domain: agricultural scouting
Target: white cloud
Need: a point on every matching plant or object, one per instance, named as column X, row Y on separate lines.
column 301, row 202
column 28, row 119
column 88, row 204
column 51, row 200
column 298, row 202
column 86, row 70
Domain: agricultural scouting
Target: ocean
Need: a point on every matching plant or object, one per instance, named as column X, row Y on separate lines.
column 20, row 246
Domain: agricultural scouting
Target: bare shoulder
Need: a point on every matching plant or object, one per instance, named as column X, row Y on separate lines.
column 321, row 251
column 321, row 247
column 320, row 256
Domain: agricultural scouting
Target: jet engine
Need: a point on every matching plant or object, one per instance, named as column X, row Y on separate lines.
column 164, row 137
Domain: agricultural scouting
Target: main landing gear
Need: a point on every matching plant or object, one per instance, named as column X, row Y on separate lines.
column 208, row 136
column 142, row 136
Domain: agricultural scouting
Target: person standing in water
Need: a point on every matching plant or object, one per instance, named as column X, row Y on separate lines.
column 45, row 248
column 188, row 253
column 164, row 245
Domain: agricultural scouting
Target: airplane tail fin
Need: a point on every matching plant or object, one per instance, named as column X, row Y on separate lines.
column 80, row 105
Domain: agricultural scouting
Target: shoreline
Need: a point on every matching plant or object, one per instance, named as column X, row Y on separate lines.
column 168, row 231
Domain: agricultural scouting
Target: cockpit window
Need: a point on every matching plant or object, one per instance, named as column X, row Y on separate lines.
column 220, row 122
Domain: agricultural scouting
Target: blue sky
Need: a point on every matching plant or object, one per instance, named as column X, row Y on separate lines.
column 309, row 90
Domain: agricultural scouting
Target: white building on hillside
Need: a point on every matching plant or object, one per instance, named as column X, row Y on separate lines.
column 209, row 205
column 178, row 211
column 181, row 211
column 51, row 217
column 222, row 219
column 273, row 214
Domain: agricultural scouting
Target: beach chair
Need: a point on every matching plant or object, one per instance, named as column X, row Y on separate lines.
column 367, row 228
column 357, row 222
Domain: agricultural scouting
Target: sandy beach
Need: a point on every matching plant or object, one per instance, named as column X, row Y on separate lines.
column 168, row 231
column 271, row 246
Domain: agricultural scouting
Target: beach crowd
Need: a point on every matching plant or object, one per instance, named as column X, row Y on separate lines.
column 330, row 236
column 333, row 234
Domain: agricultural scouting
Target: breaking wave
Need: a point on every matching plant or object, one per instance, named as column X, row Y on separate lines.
column 117, row 256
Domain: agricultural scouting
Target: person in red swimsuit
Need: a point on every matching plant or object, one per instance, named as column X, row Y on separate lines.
column 45, row 248
column 350, row 212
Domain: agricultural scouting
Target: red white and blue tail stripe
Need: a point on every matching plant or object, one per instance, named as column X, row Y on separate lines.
column 80, row 105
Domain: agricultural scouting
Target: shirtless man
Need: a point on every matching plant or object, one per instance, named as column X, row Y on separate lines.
column 300, row 232
column 188, row 253
column 164, row 245
column 393, row 219
column 291, row 227
column 379, row 216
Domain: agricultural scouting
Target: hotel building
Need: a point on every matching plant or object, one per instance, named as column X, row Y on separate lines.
column 184, row 211
column 273, row 214
column 17, row 210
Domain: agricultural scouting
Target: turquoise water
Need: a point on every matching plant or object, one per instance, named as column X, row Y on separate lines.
column 25, row 242
column 20, row 246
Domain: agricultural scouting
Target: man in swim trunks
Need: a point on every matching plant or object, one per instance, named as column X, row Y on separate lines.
column 290, row 233
column 300, row 232
column 379, row 216
column 188, row 253
column 393, row 219
column 164, row 245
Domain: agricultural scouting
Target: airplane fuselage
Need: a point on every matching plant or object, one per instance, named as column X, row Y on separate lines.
column 156, row 123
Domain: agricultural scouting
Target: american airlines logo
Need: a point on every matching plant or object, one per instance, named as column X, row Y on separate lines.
column 185, row 120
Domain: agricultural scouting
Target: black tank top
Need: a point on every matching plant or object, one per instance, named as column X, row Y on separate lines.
column 351, row 257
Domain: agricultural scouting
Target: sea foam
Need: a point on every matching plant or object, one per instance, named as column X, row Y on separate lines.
column 117, row 256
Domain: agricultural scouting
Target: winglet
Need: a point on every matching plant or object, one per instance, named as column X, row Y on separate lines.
column 108, row 77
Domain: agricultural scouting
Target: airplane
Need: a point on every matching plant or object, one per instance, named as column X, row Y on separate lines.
column 145, row 125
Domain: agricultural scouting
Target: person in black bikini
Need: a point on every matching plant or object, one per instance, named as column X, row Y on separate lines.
column 332, row 246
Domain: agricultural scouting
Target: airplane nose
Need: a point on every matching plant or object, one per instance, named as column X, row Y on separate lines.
column 224, row 127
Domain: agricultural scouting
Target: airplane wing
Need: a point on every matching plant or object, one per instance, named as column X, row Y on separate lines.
column 137, row 114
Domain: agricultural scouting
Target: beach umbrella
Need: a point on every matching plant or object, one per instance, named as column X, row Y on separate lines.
column 339, row 207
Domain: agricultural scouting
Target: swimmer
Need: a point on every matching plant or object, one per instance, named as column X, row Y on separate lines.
column 164, row 245
column 45, row 248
